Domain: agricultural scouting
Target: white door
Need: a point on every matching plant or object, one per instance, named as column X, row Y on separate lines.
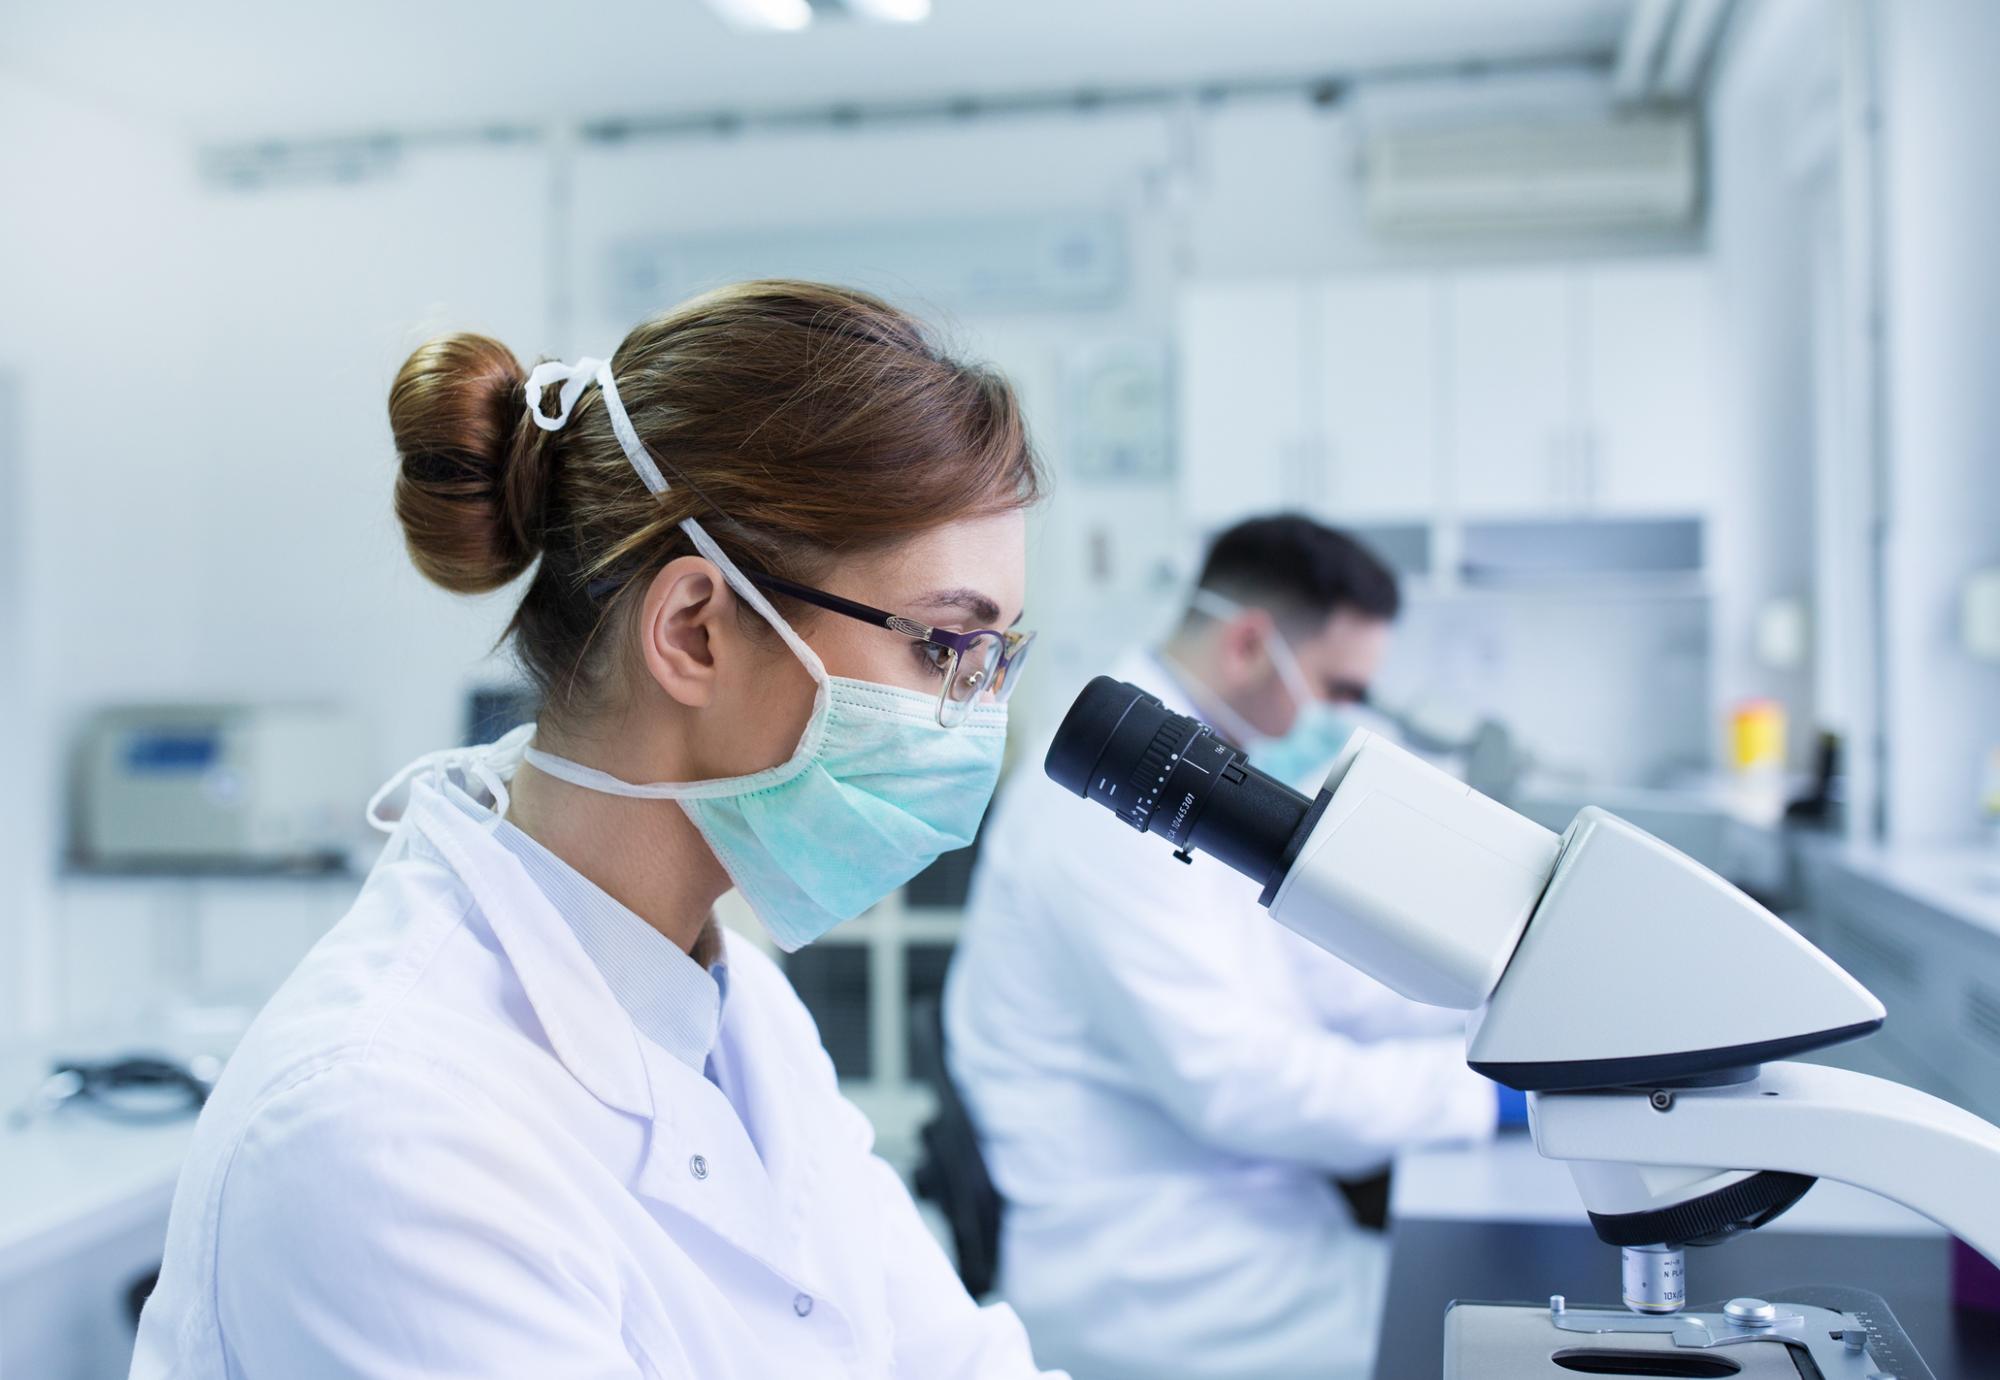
column 1246, row 423
column 1512, row 436
column 1649, row 351
column 1380, row 397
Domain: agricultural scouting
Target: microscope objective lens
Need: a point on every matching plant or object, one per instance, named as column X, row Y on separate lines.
column 1655, row 1279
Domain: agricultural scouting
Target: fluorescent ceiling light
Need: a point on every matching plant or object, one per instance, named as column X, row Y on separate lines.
column 890, row 11
column 784, row 15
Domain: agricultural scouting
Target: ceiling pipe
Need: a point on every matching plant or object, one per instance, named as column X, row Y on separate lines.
column 1639, row 50
column 249, row 164
column 1695, row 32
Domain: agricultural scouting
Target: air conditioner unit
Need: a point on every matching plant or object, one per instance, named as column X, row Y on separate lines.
column 1603, row 172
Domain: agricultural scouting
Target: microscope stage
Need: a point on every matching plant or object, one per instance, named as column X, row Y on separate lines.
column 1838, row 1334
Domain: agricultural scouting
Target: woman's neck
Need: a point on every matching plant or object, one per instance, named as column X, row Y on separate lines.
column 645, row 854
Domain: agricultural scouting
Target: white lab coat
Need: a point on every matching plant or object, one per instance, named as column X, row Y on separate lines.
column 1164, row 1080
column 445, row 1151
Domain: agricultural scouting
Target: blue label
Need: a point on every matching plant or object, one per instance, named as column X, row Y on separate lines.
column 169, row 750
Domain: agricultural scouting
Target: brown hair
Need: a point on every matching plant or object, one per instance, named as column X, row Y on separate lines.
column 799, row 422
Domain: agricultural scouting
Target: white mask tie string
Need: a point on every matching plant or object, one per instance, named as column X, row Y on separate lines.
column 437, row 767
column 573, row 378
column 580, row 375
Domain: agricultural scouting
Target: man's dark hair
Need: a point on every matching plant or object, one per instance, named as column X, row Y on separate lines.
column 1300, row 570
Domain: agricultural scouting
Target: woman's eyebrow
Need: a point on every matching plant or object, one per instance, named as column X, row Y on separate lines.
column 982, row 608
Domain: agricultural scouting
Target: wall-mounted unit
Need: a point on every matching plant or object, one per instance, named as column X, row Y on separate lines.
column 1053, row 262
column 1640, row 171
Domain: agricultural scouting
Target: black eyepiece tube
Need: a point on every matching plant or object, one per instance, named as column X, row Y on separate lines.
column 1170, row 775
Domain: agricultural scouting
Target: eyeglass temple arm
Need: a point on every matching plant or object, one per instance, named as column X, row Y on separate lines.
column 834, row 603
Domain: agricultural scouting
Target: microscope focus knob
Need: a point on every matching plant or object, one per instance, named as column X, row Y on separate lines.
column 1149, row 777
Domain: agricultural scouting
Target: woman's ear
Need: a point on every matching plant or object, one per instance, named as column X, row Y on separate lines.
column 686, row 624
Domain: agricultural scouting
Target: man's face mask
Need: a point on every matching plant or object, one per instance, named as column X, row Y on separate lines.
column 1303, row 754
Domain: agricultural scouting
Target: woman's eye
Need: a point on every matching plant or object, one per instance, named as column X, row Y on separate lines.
column 933, row 658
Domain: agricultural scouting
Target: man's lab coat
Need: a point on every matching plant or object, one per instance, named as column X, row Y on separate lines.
column 1165, row 1081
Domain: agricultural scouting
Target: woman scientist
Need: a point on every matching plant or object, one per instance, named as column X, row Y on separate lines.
column 525, row 1112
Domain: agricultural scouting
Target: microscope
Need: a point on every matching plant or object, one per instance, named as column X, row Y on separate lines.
column 1648, row 1008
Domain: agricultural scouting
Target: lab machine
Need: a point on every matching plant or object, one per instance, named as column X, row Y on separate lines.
column 217, row 787
column 1648, row 1008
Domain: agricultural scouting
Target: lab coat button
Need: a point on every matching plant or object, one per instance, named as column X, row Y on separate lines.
column 698, row 1166
column 802, row 1304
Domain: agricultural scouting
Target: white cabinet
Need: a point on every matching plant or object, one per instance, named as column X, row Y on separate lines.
column 1379, row 397
column 1649, row 347
column 1246, row 415
column 1518, row 392
column 1512, row 429
column 1321, row 396
column 1583, row 390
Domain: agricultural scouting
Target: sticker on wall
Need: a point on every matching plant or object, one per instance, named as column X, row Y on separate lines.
column 1118, row 412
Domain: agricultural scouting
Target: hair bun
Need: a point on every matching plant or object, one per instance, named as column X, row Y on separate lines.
column 470, row 491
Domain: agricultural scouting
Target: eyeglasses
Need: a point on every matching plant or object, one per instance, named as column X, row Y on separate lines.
column 982, row 664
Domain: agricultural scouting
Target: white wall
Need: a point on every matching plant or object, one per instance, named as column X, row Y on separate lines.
column 1773, row 87
column 1940, row 226
column 98, row 297
column 207, row 466
column 14, row 804
column 317, row 295
column 1788, row 157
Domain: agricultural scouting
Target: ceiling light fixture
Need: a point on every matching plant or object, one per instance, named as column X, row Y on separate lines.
column 786, row 16
column 890, row 11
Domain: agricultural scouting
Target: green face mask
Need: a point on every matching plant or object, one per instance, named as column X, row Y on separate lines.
column 875, row 790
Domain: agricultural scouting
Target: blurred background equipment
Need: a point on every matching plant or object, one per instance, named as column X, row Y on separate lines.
column 132, row 1088
column 217, row 788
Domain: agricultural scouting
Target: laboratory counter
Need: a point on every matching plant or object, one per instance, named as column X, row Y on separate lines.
column 1956, row 881
column 83, row 1212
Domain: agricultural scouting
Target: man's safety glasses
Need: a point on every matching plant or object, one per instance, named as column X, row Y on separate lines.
column 984, row 663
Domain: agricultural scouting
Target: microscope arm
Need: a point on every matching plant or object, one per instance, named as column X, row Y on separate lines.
column 1905, row 1145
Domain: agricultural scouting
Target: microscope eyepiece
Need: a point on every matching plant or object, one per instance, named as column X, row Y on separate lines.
column 1167, row 774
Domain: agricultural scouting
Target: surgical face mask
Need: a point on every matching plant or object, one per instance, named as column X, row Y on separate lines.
column 1304, row 753
column 875, row 790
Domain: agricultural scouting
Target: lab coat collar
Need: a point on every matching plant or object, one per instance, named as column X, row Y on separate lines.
column 674, row 1000
column 698, row 1160
column 589, row 1032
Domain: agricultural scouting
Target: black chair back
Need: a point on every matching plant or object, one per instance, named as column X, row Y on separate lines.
column 952, row 1173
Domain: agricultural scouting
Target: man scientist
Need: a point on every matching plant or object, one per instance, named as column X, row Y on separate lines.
column 1166, row 1084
